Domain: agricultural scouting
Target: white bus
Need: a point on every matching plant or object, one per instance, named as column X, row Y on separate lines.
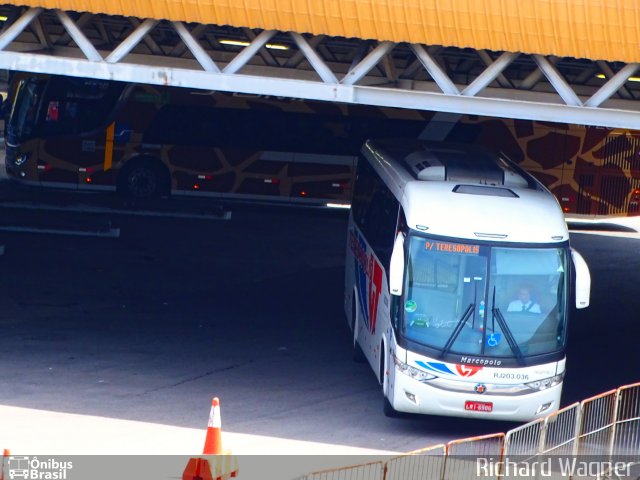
column 458, row 281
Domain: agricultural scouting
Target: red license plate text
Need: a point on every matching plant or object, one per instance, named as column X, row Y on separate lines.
column 478, row 406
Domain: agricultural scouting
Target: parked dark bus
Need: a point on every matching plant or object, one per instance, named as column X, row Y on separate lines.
column 147, row 141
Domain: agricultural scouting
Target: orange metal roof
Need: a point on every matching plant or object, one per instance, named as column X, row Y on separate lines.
column 594, row 29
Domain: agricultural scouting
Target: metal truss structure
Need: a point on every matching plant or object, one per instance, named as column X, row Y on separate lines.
column 289, row 64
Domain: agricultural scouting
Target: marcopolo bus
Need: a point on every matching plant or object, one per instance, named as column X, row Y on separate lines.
column 458, row 280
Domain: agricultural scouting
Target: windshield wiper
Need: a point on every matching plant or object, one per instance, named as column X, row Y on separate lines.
column 497, row 315
column 457, row 330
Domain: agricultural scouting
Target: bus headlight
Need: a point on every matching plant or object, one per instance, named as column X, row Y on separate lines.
column 20, row 158
column 545, row 382
column 412, row 372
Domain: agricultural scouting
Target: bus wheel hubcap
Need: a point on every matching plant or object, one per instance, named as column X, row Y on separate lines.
column 142, row 182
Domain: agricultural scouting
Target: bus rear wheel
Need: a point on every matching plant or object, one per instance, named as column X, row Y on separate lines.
column 143, row 178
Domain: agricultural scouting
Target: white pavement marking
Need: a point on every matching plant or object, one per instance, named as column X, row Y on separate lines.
column 633, row 235
column 606, row 226
column 89, row 209
column 111, row 233
column 625, row 222
column 26, row 431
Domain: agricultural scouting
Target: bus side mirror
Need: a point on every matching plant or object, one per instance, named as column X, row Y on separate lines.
column 583, row 280
column 396, row 269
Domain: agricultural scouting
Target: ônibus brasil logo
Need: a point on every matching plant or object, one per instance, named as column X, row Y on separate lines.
column 36, row 469
column 368, row 279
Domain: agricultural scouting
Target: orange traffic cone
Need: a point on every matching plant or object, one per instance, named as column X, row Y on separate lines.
column 213, row 442
column 197, row 469
column 219, row 465
column 5, row 455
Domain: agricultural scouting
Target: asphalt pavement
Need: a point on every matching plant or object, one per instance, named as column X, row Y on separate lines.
column 138, row 331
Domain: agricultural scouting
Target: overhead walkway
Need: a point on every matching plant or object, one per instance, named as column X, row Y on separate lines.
column 548, row 60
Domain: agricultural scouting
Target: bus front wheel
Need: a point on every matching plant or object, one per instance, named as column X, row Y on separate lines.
column 143, row 178
column 387, row 408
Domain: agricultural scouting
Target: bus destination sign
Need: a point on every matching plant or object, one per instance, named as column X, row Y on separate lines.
column 452, row 248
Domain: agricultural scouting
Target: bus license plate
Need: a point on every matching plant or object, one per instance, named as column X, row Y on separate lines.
column 478, row 406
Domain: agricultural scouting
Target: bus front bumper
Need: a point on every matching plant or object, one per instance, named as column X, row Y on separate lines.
column 14, row 172
column 412, row 396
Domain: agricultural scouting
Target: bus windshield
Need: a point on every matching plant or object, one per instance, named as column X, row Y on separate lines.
column 485, row 300
column 60, row 106
column 22, row 117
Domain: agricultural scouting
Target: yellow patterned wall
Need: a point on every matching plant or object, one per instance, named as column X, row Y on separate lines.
column 594, row 29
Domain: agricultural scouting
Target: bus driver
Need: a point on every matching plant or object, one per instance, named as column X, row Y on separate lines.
column 524, row 303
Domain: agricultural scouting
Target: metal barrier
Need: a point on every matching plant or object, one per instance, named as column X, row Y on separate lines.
column 604, row 429
column 559, row 437
column 424, row 464
column 462, row 456
column 560, row 432
column 524, row 441
column 626, row 436
column 597, row 420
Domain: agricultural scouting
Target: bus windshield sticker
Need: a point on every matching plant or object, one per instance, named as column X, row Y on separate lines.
column 53, row 111
column 410, row 306
column 419, row 321
column 452, row 248
column 493, row 339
